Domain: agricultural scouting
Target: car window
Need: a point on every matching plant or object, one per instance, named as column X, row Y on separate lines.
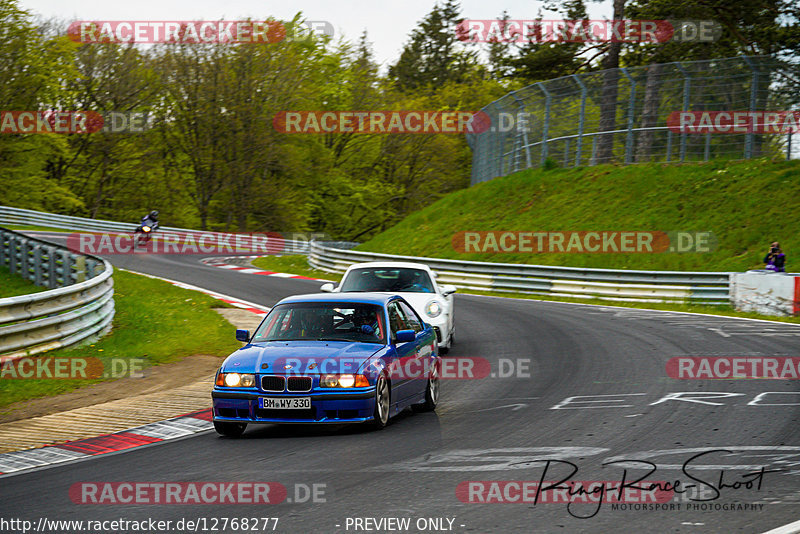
column 330, row 321
column 397, row 319
column 412, row 319
column 387, row 280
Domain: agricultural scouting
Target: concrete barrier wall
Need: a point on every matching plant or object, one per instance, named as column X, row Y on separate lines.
column 766, row 293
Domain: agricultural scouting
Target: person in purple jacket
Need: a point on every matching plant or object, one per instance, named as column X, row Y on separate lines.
column 775, row 259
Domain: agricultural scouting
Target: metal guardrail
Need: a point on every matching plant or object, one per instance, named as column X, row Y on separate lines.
column 23, row 217
column 80, row 306
column 606, row 284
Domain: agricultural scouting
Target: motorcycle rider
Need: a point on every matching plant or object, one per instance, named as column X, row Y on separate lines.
column 151, row 220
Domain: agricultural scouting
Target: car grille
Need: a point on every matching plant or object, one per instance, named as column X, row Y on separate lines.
column 273, row 383
column 299, row 383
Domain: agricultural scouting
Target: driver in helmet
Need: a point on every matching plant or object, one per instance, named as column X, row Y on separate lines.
column 365, row 321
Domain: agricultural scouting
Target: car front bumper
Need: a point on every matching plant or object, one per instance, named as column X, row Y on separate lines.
column 333, row 407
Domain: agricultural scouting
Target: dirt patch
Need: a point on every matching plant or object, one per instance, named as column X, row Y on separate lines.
column 156, row 378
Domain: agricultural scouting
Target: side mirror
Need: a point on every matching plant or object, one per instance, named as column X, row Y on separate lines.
column 326, row 288
column 404, row 336
column 243, row 335
column 448, row 290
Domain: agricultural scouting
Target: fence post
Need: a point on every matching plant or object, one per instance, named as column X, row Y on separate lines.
column 527, row 147
column 788, row 157
column 581, row 119
column 631, row 111
column 687, row 85
column 546, row 125
column 748, row 137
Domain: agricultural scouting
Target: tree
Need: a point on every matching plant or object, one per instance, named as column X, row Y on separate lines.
column 432, row 55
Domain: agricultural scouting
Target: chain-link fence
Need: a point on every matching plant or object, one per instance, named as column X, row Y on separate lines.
column 631, row 115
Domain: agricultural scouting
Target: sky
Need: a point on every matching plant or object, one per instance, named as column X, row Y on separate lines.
column 387, row 23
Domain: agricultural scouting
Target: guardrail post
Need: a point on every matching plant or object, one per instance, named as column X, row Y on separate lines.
column 631, row 111
column 37, row 264
column 25, row 253
column 67, row 261
column 52, row 266
column 91, row 265
column 12, row 254
column 80, row 268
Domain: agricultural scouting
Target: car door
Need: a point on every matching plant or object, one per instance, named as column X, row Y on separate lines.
column 403, row 365
column 422, row 353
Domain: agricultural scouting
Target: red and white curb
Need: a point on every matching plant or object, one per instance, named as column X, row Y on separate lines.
column 17, row 462
column 12, row 463
column 222, row 263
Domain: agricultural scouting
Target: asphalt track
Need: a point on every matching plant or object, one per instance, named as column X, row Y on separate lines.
column 496, row 428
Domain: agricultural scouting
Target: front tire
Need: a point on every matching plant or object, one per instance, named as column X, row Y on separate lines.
column 383, row 401
column 431, row 393
column 230, row 430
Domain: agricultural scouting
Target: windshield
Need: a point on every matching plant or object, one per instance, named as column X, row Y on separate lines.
column 388, row 280
column 323, row 321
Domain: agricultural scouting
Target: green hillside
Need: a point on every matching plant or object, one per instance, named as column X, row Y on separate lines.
column 745, row 205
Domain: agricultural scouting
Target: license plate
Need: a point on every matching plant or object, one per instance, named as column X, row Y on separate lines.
column 276, row 403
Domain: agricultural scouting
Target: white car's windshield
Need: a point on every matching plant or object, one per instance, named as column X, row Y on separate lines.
column 389, row 280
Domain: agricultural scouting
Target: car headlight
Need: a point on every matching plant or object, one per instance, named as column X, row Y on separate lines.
column 343, row 381
column 433, row 308
column 236, row 380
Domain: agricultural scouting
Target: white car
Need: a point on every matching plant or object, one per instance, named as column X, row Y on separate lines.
column 415, row 282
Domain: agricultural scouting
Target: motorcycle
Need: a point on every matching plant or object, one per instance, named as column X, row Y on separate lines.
column 144, row 232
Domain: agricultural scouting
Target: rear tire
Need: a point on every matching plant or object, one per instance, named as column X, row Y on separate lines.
column 231, row 430
column 431, row 393
column 383, row 402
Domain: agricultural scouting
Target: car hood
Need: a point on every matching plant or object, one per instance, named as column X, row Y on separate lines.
column 302, row 356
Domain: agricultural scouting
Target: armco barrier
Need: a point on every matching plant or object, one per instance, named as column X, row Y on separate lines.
column 607, row 284
column 23, row 217
column 80, row 306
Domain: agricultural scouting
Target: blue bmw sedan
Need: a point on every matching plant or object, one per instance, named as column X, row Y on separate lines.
column 329, row 358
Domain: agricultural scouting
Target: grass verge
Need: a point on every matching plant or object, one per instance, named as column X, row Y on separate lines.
column 745, row 205
column 293, row 264
column 155, row 323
